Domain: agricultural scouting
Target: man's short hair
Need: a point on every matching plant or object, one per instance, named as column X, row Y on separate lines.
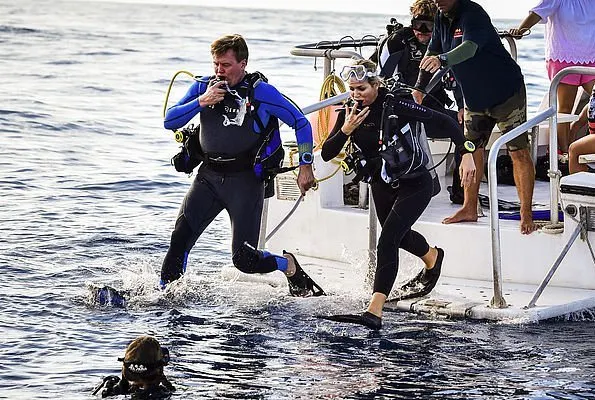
column 230, row 42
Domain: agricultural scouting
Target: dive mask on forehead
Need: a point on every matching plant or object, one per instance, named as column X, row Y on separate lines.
column 359, row 72
column 422, row 24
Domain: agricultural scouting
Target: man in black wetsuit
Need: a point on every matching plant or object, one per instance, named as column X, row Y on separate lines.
column 465, row 40
column 238, row 118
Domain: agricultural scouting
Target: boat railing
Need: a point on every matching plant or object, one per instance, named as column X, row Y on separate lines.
column 331, row 50
column 554, row 174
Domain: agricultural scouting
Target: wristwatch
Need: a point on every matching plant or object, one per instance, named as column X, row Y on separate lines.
column 443, row 60
column 468, row 147
column 307, row 158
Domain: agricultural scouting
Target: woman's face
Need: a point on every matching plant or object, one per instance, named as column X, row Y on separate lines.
column 363, row 91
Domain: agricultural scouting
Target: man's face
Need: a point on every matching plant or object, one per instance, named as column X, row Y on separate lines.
column 227, row 68
column 445, row 5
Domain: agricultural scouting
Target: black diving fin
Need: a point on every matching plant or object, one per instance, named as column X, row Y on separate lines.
column 366, row 319
column 300, row 283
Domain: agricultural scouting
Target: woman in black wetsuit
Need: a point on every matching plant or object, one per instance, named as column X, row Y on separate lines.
column 398, row 204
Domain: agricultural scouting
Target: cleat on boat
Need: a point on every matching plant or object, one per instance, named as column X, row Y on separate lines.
column 300, row 283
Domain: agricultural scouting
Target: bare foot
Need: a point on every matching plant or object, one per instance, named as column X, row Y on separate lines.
column 290, row 265
column 527, row 225
column 463, row 215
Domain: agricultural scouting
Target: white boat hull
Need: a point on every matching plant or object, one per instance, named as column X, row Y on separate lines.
column 332, row 239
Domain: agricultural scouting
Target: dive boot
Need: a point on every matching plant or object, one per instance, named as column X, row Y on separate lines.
column 300, row 284
column 424, row 282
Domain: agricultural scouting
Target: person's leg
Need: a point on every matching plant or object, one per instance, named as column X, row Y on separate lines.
column 510, row 115
column 200, row 206
column 244, row 200
column 478, row 128
column 584, row 145
column 412, row 199
column 468, row 213
column 566, row 97
column 384, row 196
column 524, row 179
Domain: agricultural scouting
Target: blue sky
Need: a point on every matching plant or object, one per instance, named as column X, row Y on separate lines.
column 514, row 9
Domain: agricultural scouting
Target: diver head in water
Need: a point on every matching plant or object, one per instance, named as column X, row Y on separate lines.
column 142, row 371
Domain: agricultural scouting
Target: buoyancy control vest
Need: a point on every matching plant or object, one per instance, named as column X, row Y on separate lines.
column 403, row 145
column 396, row 145
column 233, row 121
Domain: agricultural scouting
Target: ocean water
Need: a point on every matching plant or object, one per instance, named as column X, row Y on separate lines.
column 88, row 197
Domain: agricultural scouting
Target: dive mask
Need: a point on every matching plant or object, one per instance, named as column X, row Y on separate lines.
column 359, row 72
column 422, row 24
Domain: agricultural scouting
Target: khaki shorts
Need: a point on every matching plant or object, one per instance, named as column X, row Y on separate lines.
column 508, row 115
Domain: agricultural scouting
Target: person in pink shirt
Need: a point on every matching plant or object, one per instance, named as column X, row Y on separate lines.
column 570, row 41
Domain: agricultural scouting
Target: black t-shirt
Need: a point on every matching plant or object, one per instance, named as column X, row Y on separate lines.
column 491, row 76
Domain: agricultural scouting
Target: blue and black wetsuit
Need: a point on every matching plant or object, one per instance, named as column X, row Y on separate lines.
column 397, row 207
column 226, row 179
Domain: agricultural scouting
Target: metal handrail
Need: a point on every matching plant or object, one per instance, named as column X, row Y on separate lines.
column 325, row 103
column 330, row 51
column 554, row 174
column 498, row 300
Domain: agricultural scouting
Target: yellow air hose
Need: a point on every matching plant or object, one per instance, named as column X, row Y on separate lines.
column 331, row 86
column 324, row 120
column 177, row 135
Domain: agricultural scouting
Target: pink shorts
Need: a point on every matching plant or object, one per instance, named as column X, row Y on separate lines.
column 554, row 66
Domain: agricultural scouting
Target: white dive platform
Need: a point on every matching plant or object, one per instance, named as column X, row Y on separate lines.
column 331, row 240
